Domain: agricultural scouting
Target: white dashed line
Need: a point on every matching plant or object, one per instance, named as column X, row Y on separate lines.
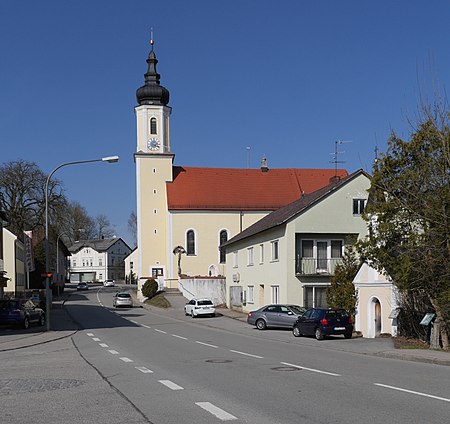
column 412, row 392
column 134, row 322
column 144, row 370
column 179, row 337
column 247, row 354
column 219, row 413
column 146, row 326
column 206, row 344
column 160, row 331
column 90, row 334
column 170, row 384
column 103, row 345
column 311, row 369
column 113, row 352
column 96, row 339
column 124, row 359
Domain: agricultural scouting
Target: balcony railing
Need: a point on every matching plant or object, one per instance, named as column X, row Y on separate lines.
column 313, row 266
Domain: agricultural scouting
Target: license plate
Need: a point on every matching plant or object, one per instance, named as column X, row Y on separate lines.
column 339, row 328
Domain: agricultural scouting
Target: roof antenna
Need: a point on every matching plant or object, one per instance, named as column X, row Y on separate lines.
column 376, row 150
column 248, row 156
column 335, row 156
column 151, row 37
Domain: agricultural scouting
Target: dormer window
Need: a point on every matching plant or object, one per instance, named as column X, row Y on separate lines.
column 153, row 129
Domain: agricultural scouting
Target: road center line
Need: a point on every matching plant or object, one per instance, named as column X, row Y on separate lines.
column 146, row 326
column 144, row 370
column 125, row 359
column 219, row 413
column 311, row 369
column 179, row 337
column 170, row 384
column 103, row 345
column 134, row 322
column 412, row 392
column 113, row 352
column 247, row 354
column 90, row 334
column 96, row 339
column 206, row 344
column 160, row 331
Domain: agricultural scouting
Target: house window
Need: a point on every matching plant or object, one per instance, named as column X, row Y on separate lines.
column 336, row 248
column 153, row 129
column 275, row 294
column 190, row 242
column 157, row 272
column 223, row 237
column 315, row 297
column 131, row 265
column 275, row 253
column 112, row 261
column 235, row 259
column 319, row 256
column 251, row 294
column 74, row 263
column 358, row 206
column 83, row 263
column 100, row 262
column 100, row 277
column 250, row 256
column 90, row 262
column 307, row 249
column 261, row 253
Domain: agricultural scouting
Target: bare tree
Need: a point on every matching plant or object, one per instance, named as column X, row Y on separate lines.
column 103, row 226
column 132, row 227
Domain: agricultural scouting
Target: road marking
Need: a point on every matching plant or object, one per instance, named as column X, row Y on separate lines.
column 114, row 352
column 170, row 384
column 96, row 339
column 134, row 322
column 311, row 369
column 247, row 354
column 124, row 359
column 101, row 304
column 219, row 413
column 90, row 334
column 146, row 326
column 206, row 344
column 144, row 370
column 103, row 345
column 179, row 337
column 412, row 392
column 160, row 331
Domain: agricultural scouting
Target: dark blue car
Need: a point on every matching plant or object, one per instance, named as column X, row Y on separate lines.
column 20, row 312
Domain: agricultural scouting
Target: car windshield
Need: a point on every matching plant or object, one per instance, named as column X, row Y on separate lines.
column 124, row 295
column 204, row 302
column 337, row 314
column 297, row 309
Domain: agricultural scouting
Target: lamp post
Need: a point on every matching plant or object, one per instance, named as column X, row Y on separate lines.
column 108, row 159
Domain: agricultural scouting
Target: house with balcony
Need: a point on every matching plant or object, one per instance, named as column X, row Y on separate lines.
column 290, row 255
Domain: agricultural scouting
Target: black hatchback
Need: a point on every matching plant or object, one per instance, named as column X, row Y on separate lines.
column 321, row 322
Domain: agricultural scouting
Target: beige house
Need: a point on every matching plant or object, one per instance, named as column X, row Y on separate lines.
column 377, row 306
column 194, row 210
column 14, row 264
column 290, row 255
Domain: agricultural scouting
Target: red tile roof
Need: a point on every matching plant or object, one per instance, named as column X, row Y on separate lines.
column 242, row 189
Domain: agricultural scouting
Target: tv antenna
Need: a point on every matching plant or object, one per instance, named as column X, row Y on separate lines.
column 248, row 156
column 335, row 155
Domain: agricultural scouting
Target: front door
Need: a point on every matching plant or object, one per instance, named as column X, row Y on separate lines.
column 377, row 318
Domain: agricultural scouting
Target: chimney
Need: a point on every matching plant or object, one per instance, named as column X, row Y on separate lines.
column 264, row 167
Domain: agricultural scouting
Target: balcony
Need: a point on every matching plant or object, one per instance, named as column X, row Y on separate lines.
column 313, row 266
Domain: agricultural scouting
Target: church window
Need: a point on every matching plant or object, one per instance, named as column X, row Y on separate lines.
column 190, row 242
column 153, row 129
column 223, row 237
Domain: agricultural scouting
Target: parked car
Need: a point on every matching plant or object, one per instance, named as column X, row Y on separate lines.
column 321, row 322
column 122, row 299
column 20, row 312
column 108, row 283
column 82, row 286
column 283, row 316
column 197, row 307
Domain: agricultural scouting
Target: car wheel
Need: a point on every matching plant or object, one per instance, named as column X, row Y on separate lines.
column 185, row 312
column 319, row 334
column 348, row 335
column 42, row 320
column 26, row 322
column 192, row 314
column 296, row 331
column 261, row 324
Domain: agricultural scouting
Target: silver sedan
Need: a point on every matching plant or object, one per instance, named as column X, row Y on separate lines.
column 283, row 316
column 122, row 299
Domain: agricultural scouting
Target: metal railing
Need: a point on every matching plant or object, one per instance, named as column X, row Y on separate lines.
column 314, row 266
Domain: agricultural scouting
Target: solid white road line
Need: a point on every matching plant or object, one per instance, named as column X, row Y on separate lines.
column 160, row 331
column 412, row 392
column 206, row 344
column 247, row 354
column 103, row 345
column 125, row 359
column 170, row 384
column 90, row 334
column 96, row 339
column 311, row 369
column 114, row 352
column 219, row 413
column 179, row 337
column 144, row 370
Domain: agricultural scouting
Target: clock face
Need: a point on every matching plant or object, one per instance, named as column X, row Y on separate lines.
column 153, row 144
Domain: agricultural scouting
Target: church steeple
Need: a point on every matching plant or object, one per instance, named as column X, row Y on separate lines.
column 152, row 92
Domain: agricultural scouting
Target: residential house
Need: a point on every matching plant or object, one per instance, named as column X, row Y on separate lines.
column 290, row 255
column 14, row 265
column 130, row 266
column 98, row 260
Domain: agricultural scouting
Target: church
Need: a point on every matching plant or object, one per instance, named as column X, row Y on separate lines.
column 184, row 214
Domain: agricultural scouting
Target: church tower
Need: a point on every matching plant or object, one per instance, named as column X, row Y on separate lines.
column 153, row 160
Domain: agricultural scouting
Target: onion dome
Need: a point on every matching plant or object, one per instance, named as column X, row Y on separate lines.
column 152, row 92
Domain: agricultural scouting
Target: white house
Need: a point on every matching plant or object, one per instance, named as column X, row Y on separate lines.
column 14, row 264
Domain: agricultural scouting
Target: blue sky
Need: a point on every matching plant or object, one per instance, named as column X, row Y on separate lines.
column 285, row 78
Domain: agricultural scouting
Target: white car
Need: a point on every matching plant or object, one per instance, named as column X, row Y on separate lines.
column 108, row 283
column 122, row 299
column 197, row 307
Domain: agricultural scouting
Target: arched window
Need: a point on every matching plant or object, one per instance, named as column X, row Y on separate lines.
column 223, row 237
column 190, row 242
column 153, row 129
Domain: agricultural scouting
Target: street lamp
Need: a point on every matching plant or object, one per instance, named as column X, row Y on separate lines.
column 108, row 159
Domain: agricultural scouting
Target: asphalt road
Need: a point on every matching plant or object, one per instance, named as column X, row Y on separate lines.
column 175, row 369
